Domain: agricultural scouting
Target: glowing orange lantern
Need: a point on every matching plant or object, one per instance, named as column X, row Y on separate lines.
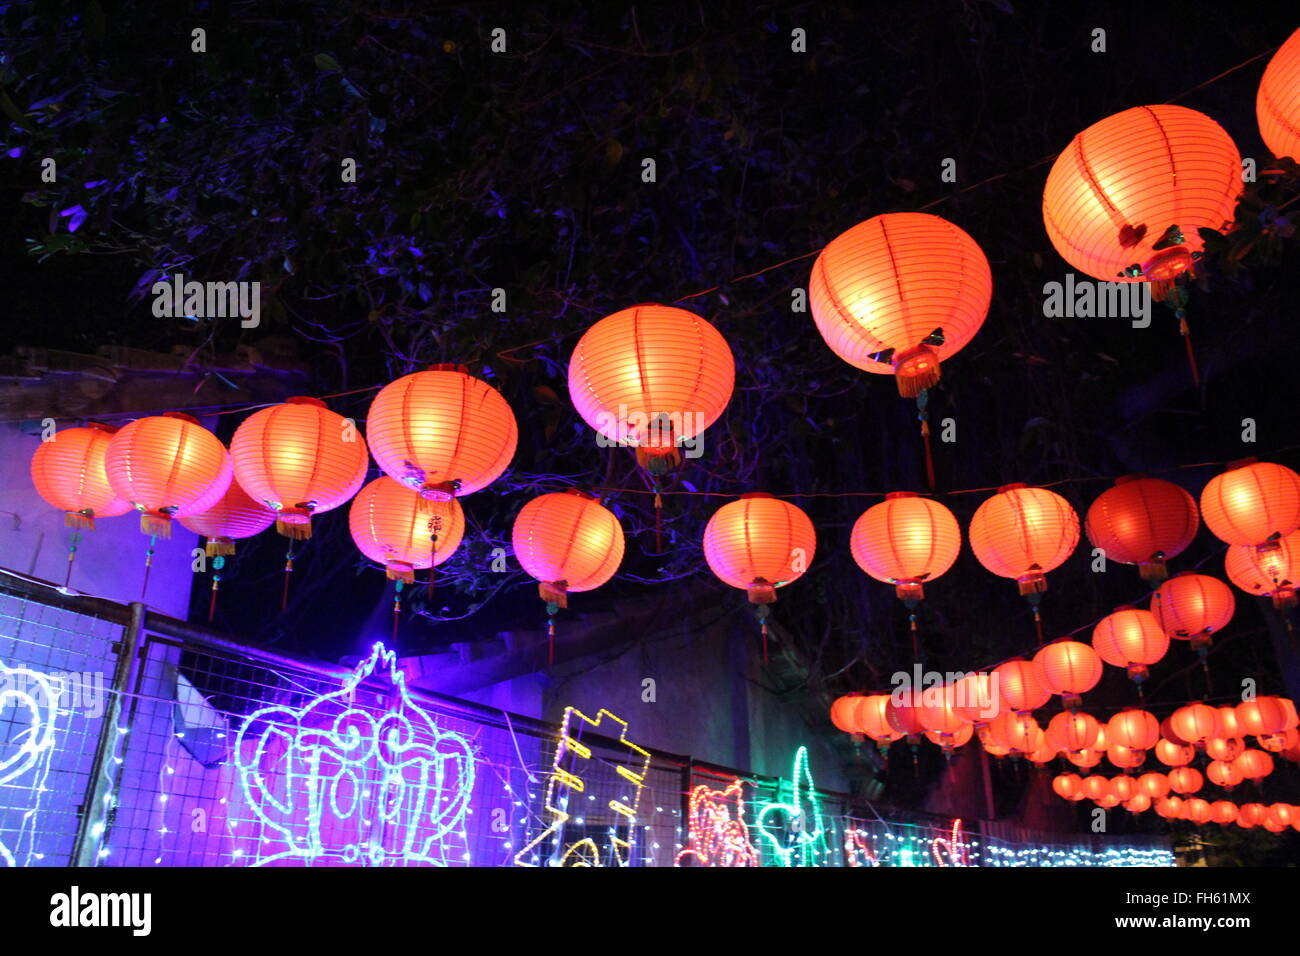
column 951, row 741
column 1125, row 758
column 1125, row 200
column 234, row 517
column 1223, row 811
column 843, row 714
column 872, row 719
column 1154, row 785
column 1196, row 810
column 568, row 541
column 441, row 432
column 1185, row 780
column 1023, row 533
column 1095, row 787
column 899, row 294
column 1223, row 773
column 299, row 459
column 1262, row 715
column 1085, row 758
column 1020, row 687
column 1254, row 764
column 1133, row 728
column 1227, row 724
column 1132, row 639
column 1068, row 668
column 1044, row 754
column 1142, row 521
column 906, row 541
column 1272, row 570
column 1124, row 788
column 1279, row 743
column 976, row 698
column 904, row 717
column 1138, row 803
column 68, row 472
column 1066, row 785
column 1194, row 722
column 1170, row 807
column 395, row 527
column 1251, row 814
column 1072, row 730
column 167, row 466
column 759, row 543
column 651, row 377
column 1224, row 749
column 1018, row 731
column 1277, row 105
column 937, row 712
column 1173, row 754
column 1191, row 607
column 1252, row 503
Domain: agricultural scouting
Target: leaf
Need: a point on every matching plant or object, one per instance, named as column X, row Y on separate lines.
column 13, row 112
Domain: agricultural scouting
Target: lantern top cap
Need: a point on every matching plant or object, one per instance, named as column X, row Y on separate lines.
column 181, row 416
column 755, row 494
column 1125, row 479
column 448, row 367
column 1014, row 486
column 1240, row 463
column 901, row 494
column 1125, row 607
column 580, row 493
column 104, row 427
column 305, row 400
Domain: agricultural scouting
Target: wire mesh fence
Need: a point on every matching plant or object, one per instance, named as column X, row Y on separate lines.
column 126, row 742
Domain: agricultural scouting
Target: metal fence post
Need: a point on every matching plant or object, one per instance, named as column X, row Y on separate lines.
column 95, row 807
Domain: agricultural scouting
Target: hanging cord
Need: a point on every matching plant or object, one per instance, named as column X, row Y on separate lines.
column 552, row 609
column 397, row 611
column 435, row 526
column 148, row 563
column 72, row 556
column 659, row 518
column 922, row 401
column 218, row 563
column 1176, row 299
column 288, row 570
column 762, row 611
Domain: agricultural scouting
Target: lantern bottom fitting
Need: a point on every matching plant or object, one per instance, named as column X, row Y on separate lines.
column 915, row 370
column 554, row 592
column 220, row 546
column 293, row 524
column 1284, row 597
column 1153, row 570
column 400, row 571
column 761, row 592
column 1137, row 673
column 1167, row 264
column 156, row 524
column 909, row 591
column 1071, row 702
column 1035, row 583
column 79, row 520
column 439, row 491
column 1201, row 643
column 658, row 460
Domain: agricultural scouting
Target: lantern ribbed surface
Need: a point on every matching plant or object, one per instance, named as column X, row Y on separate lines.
column 1189, row 604
column 441, row 432
column 1072, row 731
column 1130, row 636
column 843, row 714
column 1139, row 802
column 904, row 717
column 1020, row 687
column 1133, row 728
column 1254, row 764
column 890, row 283
column 1277, row 104
column 1125, row 758
column 1226, row 722
column 1066, row 785
column 759, row 540
column 299, row 459
column 1069, row 668
column 1173, row 754
column 1223, row 773
column 568, row 538
column 1224, row 748
column 937, row 712
column 1154, row 784
column 976, row 697
column 1252, row 502
column 872, row 719
column 1023, row 533
column 1124, row 181
column 905, row 540
column 1193, row 722
column 1170, row 807
column 1268, row 571
column 167, row 466
column 651, row 374
column 1223, row 811
column 1016, row 731
column 1251, row 814
column 69, row 473
column 394, row 526
column 234, row 517
column 1262, row 715
column 1142, row 521
column 1196, row 810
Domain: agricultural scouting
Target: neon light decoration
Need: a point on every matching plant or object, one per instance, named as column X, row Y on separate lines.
column 858, row 849
column 718, row 835
column 954, row 844
column 339, row 785
column 28, row 741
column 794, row 829
column 571, row 772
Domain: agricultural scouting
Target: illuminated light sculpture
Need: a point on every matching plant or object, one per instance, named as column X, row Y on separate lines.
column 900, row 293
column 718, row 835
column 167, row 466
column 1192, row 607
column 759, row 543
column 1271, row 571
column 1143, row 521
column 441, row 432
column 299, row 459
column 1125, row 199
column 1252, row 503
column 954, row 845
column 1069, row 668
column 1277, row 104
column 1130, row 638
column 569, row 542
column 395, row 527
column 794, row 828
column 652, row 377
column 29, row 735
column 907, row 541
column 339, row 785
column 569, row 778
column 69, row 472
column 858, row 848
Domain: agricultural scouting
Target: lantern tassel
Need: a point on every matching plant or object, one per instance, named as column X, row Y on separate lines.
column 763, row 610
column 397, row 609
column 288, row 570
column 292, row 530
column 72, row 556
column 659, row 522
column 156, row 525
column 1185, row 332
column 217, row 564
column 219, row 547
column 922, row 401
column 79, row 520
column 148, row 563
column 552, row 608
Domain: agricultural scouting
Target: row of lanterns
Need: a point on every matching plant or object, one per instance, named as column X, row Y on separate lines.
column 1152, row 791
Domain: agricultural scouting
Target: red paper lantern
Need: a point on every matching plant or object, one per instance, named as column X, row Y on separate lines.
column 937, row 712
column 899, row 294
column 1224, row 749
column 872, row 719
column 1044, row 754
column 568, row 541
column 1223, row 811
column 299, row 459
column 1193, row 606
column 441, row 432
column 69, row 473
column 1132, row 639
column 1277, row 105
column 1069, row 668
column 167, row 466
column 394, row 526
column 1151, row 175
column 904, row 717
column 1170, row 807
column 1142, row 521
column 843, row 714
column 1226, row 722
column 1223, row 774
column 1251, row 814
column 1138, row 803
column 1154, row 785
column 1066, row 785
column 1279, row 743
column 906, row 541
column 652, row 377
column 1196, row 810
column 1194, row 722
column 1133, row 728
column 1272, row 570
column 1252, row 502
column 759, row 543
column 1072, row 730
column 976, row 697
column 1173, row 754
column 1125, row 758
column 1085, row 758
column 954, row 739
column 1185, row 780
column 1262, row 715
column 1023, row 533
column 1254, row 764
column 234, row 517
column 1020, row 687
column 1124, row 788
column 1095, row 787
column 1018, row 731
